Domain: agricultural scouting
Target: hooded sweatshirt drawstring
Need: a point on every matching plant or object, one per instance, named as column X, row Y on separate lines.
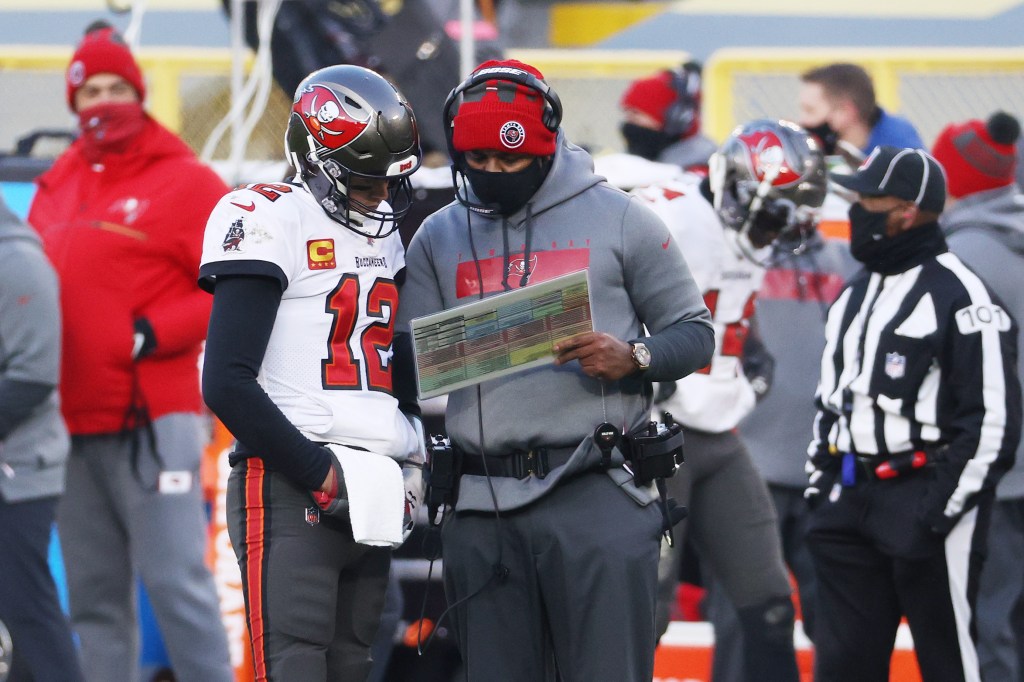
column 528, row 251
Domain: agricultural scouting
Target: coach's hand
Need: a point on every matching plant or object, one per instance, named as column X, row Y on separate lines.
column 332, row 497
column 601, row 355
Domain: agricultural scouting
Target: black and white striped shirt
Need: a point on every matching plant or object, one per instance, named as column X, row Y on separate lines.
column 922, row 358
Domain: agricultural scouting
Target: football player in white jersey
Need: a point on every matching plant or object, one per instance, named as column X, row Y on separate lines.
column 302, row 367
column 767, row 180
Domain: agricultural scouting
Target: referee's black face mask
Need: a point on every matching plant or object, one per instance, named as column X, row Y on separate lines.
column 871, row 245
column 867, row 233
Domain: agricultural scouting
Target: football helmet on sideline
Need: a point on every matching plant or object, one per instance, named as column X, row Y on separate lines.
column 769, row 181
column 348, row 122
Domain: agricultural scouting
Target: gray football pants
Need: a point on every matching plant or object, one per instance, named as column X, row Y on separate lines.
column 114, row 524
column 313, row 596
column 733, row 526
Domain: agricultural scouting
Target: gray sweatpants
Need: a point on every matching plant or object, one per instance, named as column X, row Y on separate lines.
column 579, row 592
column 114, row 524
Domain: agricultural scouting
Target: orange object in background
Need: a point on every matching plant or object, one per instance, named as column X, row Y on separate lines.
column 220, row 556
column 684, row 655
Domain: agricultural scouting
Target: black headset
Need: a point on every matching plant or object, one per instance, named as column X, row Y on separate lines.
column 686, row 83
column 551, row 117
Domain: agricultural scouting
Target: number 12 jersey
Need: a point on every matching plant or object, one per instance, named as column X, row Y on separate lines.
column 327, row 366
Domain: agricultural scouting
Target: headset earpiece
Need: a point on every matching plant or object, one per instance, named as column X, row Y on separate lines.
column 686, row 84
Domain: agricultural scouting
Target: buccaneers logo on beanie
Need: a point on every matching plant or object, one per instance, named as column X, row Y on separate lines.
column 102, row 51
column 978, row 155
column 503, row 115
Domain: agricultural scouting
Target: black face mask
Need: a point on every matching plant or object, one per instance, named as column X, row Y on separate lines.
column 868, row 240
column 827, row 136
column 645, row 142
column 508, row 192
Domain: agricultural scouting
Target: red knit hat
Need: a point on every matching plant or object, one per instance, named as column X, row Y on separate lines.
column 102, row 50
column 651, row 95
column 978, row 155
column 489, row 121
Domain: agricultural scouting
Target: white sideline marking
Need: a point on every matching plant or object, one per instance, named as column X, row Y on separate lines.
column 700, row 634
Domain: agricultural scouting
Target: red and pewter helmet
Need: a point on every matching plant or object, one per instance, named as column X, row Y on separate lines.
column 348, row 122
column 769, row 182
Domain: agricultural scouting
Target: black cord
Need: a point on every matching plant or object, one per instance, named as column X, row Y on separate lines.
column 500, row 570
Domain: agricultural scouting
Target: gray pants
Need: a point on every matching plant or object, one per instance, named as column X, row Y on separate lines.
column 313, row 596
column 115, row 523
column 731, row 522
column 793, row 514
column 1000, row 607
column 578, row 595
column 732, row 525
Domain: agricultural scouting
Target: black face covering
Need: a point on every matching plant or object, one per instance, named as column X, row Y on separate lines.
column 868, row 240
column 827, row 136
column 508, row 192
column 645, row 142
column 889, row 255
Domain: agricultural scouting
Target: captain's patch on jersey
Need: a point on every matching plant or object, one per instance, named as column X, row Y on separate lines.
column 320, row 254
column 976, row 317
column 234, row 238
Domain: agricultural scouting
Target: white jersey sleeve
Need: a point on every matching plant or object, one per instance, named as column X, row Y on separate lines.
column 715, row 398
column 249, row 232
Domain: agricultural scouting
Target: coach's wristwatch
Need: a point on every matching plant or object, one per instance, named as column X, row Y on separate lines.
column 641, row 355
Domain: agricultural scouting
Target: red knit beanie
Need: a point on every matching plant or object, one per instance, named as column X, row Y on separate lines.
column 651, row 95
column 489, row 119
column 978, row 155
column 102, row 50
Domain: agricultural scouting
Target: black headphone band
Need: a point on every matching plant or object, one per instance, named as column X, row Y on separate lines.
column 551, row 117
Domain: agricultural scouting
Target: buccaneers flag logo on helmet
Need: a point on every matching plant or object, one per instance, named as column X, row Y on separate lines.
column 767, row 157
column 333, row 121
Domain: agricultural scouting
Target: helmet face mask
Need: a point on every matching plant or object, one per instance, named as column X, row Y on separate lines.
column 349, row 124
column 768, row 181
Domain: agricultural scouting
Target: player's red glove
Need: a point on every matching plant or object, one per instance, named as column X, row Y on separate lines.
column 334, row 502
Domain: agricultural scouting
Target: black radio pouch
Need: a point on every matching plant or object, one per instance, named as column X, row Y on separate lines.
column 654, row 451
column 442, row 476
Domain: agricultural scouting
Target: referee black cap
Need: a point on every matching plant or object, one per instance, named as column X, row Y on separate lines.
column 910, row 174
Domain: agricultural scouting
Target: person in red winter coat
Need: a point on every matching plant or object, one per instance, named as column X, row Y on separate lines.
column 121, row 214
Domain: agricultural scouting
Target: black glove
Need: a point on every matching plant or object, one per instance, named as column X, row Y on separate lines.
column 758, row 366
column 822, row 473
column 143, row 340
column 334, row 502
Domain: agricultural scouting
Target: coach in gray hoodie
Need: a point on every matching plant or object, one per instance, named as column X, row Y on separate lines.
column 33, row 449
column 985, row 228
column 551, row 559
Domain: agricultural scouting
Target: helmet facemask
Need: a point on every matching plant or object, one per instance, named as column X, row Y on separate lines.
column 768, row 183
column 329, row 182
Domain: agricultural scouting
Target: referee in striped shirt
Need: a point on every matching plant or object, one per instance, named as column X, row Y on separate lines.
column 919, row 414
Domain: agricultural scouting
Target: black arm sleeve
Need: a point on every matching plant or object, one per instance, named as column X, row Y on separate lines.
column 404, row 373
column 244, row 310
column 17, row 401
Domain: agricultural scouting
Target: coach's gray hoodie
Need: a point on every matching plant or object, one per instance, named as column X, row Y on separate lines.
column 986, row 230
column 33, row 440
column 638, row 278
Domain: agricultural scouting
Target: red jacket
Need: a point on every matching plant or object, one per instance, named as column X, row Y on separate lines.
column 125, row 237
